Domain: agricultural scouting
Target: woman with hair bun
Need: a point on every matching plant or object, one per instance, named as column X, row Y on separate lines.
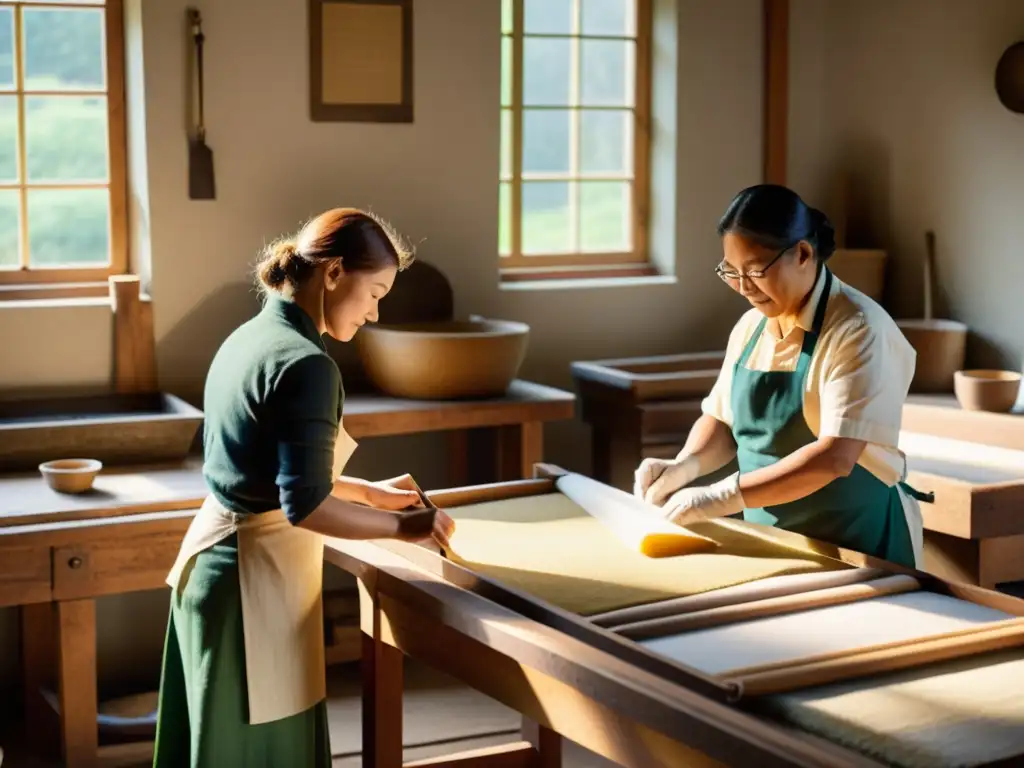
column 808, row 401
column 243, row 681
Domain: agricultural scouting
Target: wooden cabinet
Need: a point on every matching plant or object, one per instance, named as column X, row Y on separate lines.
column 25, row 576
column 641, row 407
column 115, row 566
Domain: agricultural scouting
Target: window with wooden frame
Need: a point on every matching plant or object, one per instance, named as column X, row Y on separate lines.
column 63, row 194
column 575, row 107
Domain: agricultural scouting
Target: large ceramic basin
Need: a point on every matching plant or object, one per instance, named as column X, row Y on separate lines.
column 443, row 360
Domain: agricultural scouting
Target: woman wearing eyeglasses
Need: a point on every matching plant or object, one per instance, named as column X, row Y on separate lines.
column 808, row 401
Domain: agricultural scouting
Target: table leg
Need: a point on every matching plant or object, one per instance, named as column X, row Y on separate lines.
column 76, row 632
column 458, row 458
column 381, row 668
column 616, row 453
column 547, row 743
column 999, row 560
column 38, row 660
column 520, row 446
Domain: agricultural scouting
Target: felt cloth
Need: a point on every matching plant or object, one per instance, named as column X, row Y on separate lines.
column 552, row 548
column 967, row 712
column 821, row 630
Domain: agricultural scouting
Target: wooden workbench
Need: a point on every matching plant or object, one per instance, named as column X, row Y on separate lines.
column 567, row 676
column 975, row 531
column 517, row 421
column 56, row 569
column 641, row 407
column 644, row 407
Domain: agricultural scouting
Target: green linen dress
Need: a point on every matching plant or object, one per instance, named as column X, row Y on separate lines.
column 272, row 409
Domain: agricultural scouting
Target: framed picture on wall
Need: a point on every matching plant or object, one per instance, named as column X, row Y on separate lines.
column 361, row 65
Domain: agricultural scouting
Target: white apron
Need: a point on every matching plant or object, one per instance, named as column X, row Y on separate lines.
column 280, row 570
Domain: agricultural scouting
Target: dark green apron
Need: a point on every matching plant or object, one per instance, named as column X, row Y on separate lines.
column 857, row 512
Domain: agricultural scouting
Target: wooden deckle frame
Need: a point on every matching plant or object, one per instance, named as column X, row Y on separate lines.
column 552, row 666
column 738, row 683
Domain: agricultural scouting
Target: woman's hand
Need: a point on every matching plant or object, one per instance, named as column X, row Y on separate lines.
column 709, row 447
column 691, row 505
column 657, row 479
column 413, row 527
column 395, row 494
column 444, row 526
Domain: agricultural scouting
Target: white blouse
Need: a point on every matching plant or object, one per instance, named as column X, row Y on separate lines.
column 857, row 383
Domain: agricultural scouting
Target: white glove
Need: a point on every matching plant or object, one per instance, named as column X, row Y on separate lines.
column 691, row 505
column 657, row 479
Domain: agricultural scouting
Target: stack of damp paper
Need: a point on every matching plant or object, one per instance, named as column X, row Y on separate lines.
column 579, row 549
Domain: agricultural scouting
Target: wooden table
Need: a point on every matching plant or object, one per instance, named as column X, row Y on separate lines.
column 517, row 421
column 645, row 407
column 641, row 407
column 567, row 676
column 975, row 531
column 56, row 570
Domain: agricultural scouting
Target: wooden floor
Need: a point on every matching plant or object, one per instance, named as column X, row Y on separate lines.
column 441, row 716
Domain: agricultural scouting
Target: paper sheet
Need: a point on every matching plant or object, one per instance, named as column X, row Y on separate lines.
column 635, row 523
column 774, row 586
column 550, row 547
column 822, row 630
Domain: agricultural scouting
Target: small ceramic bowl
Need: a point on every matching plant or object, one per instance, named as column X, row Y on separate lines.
column 70, row 475
column 987, row 390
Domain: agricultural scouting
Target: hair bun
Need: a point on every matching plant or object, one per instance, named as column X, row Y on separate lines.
column 360, row 240
column 281, row 266
column 824, row 235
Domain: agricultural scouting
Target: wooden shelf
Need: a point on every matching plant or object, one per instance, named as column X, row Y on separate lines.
column 346, row 645
column 341, row 619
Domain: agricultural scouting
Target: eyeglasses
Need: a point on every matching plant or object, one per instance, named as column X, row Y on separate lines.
column 733, row 277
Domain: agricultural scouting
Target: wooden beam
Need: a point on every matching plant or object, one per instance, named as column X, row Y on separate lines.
column 520, row 446
column 134, row 347
column 897, row 655
column 776, row 89
column 772, row 606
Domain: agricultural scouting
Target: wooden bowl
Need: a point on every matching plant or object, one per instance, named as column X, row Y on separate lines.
column 448, row 360
column 941, row 346
column 70, row 475
column 986, row 390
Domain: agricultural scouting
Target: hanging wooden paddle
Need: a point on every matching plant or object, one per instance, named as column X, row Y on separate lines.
column 200, row 157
